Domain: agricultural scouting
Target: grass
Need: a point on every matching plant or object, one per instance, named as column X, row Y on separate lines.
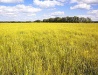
column 48, row 49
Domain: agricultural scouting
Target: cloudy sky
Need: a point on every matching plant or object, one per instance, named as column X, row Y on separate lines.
column 30, row 10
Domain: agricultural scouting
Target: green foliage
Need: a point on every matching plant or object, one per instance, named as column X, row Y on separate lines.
column 68, row 19
column 48, row 49
column 37, row 21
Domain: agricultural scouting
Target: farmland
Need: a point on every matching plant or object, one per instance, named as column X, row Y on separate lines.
column 48, row 48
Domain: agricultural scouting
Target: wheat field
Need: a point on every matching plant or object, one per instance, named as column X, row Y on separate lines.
column 48, row 49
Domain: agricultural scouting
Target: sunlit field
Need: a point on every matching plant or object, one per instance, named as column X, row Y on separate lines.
column 48, row 48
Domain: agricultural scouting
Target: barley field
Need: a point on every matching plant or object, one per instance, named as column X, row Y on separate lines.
column 48, row 49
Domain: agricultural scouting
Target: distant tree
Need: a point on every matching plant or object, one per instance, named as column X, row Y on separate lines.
column 45, row 20
column 64, row 19
column 27, row 21
column 37, row 21
column 68, row 19
column 76, row 19
column 51, row 19
column 57, row 19
column 81, row 19
column 88, row 20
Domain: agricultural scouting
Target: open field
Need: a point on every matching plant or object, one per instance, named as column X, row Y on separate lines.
column 48, row 49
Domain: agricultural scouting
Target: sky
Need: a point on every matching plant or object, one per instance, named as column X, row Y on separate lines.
column 30, row 10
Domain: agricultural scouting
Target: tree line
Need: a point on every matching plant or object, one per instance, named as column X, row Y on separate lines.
column 74, row 19
column 67, row 19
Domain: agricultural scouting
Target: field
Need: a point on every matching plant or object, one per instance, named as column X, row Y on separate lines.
column 48, row 49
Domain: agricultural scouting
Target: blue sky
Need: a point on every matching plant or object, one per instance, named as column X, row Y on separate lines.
column 30, row 10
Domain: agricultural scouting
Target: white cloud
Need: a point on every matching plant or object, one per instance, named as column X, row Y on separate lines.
column 54, row 14
column 84, row 16
column 93, row 14
column 85, row 1
column 49, row 3
column 18, row 11
column 58, row 13
column 94, row 18
column 62, row 0
column 81, row 6
column 11, row 1
column 90, row 1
